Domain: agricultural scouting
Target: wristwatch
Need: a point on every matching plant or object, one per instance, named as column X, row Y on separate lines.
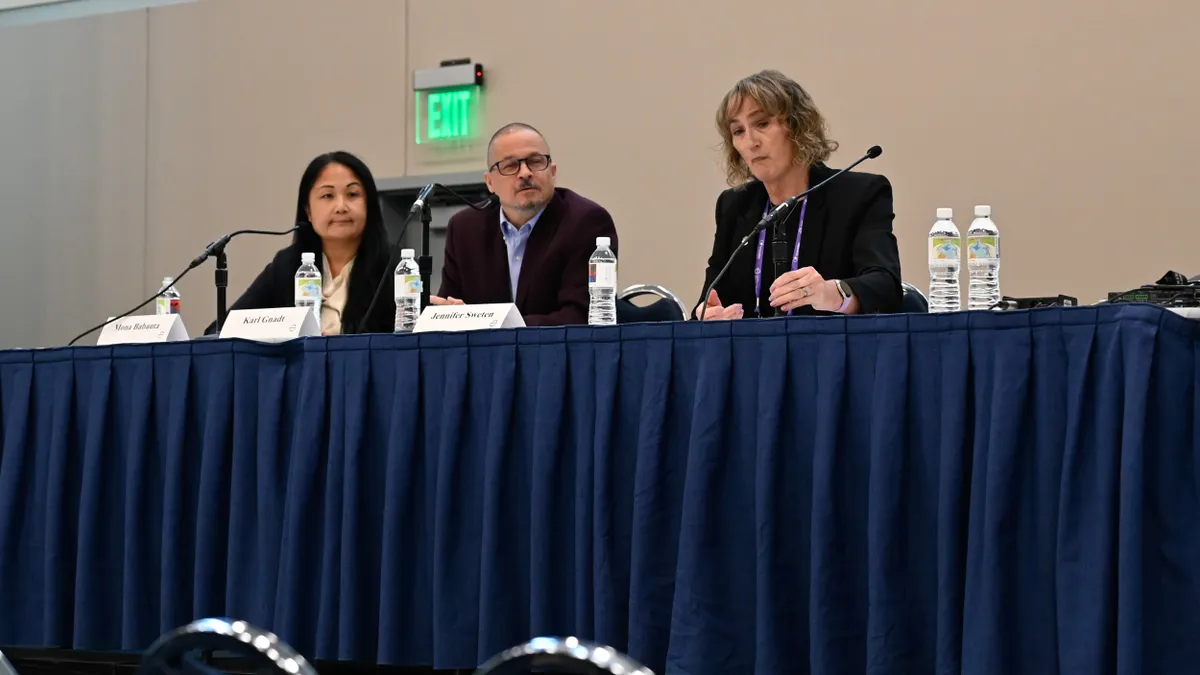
column 844, row 289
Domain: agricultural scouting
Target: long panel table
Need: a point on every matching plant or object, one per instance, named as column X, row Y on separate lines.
column 1010, row 492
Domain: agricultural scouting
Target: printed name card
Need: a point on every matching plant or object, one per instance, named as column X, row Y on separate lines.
column 469, row 317
column 130, row 330
column 270, row 325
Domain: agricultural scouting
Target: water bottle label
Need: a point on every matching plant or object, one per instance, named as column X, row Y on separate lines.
column 602, row 274
column 308, row 289
column 409, row 284
column 983, row 247
column 166, row 306
column 943, row 248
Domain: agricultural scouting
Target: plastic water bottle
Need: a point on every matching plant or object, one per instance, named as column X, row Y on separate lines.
column 308, row 285
column 983, row 260
column 168, row 300
column 408, row 289
column 944, row 263
column 602, row 284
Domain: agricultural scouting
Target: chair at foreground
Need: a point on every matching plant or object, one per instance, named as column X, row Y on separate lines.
column 666, row 308
column 6, row 668
column 179, row 652
column 562, row 655
column 914, row 301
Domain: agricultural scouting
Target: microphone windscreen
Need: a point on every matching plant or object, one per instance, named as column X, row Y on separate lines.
column 874, row 152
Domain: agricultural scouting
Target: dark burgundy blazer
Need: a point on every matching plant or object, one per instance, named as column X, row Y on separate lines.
column 553, row 287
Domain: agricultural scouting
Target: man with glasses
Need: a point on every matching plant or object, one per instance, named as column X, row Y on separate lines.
column 530, row 248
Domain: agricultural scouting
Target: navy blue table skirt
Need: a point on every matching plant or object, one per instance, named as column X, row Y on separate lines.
column 973, row 493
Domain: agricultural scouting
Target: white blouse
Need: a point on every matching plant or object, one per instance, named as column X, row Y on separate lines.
column 333, row 297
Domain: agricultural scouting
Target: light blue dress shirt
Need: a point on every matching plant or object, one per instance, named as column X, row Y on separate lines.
column 515, row 240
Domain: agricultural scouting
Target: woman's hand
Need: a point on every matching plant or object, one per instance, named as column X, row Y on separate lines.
column 715, row 312
column 803, row 287
column 435, row 300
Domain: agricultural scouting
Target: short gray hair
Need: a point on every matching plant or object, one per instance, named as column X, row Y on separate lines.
column 508, row 129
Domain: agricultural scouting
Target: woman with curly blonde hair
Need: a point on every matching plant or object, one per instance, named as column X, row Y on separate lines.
column 843, row 254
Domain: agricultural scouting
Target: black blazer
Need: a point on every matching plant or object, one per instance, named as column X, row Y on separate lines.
column 847, row 235
column 275, row 286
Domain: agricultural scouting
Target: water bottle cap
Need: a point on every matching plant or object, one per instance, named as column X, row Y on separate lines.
column 603, row 242
column 167, row 281
column 945, row 213
column 408, row 253
column 983, row 211
column 308, row 258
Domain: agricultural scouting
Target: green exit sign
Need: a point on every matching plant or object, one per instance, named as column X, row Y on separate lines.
column 447, row 114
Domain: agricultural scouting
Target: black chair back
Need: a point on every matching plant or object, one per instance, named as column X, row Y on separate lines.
column 914, row 301
column 178, row 652
column 666, row 308
column 6, row 668
column 659, row 310
column 562, row 655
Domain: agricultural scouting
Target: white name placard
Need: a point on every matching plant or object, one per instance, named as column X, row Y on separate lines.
column 270, row 325
column 469, row 317
column 130, row 330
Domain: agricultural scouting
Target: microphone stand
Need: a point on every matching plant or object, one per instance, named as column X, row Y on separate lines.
column 425, row 261
column 221, row 274
column 779, row 253
column 221, row 271
column 217, row 248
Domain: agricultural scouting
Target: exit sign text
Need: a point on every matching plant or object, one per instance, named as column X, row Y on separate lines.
column 447, row 114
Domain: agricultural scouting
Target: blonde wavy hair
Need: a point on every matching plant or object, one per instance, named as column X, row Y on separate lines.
column 779, row 96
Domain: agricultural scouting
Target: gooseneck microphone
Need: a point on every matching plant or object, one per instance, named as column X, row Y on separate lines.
column 778, row 215
column 422, row 197
column 424, row 262
column 785, row 208
column 216, row 248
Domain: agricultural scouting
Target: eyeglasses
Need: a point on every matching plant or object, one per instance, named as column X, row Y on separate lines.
column 511, row 167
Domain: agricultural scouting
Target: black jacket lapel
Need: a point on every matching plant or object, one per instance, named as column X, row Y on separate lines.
column 816, row 219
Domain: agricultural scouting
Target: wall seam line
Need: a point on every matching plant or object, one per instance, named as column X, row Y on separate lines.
column 146, row 164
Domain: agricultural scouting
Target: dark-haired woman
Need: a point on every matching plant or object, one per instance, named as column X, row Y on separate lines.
column 341, row 222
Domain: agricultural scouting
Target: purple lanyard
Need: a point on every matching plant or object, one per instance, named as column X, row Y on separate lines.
column 758, row 260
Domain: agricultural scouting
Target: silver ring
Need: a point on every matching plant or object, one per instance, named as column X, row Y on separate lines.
column 805, row 289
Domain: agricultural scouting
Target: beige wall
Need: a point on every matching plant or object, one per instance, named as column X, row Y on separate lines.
column 1073, row 120
column 243, row 93
column 72, row 175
